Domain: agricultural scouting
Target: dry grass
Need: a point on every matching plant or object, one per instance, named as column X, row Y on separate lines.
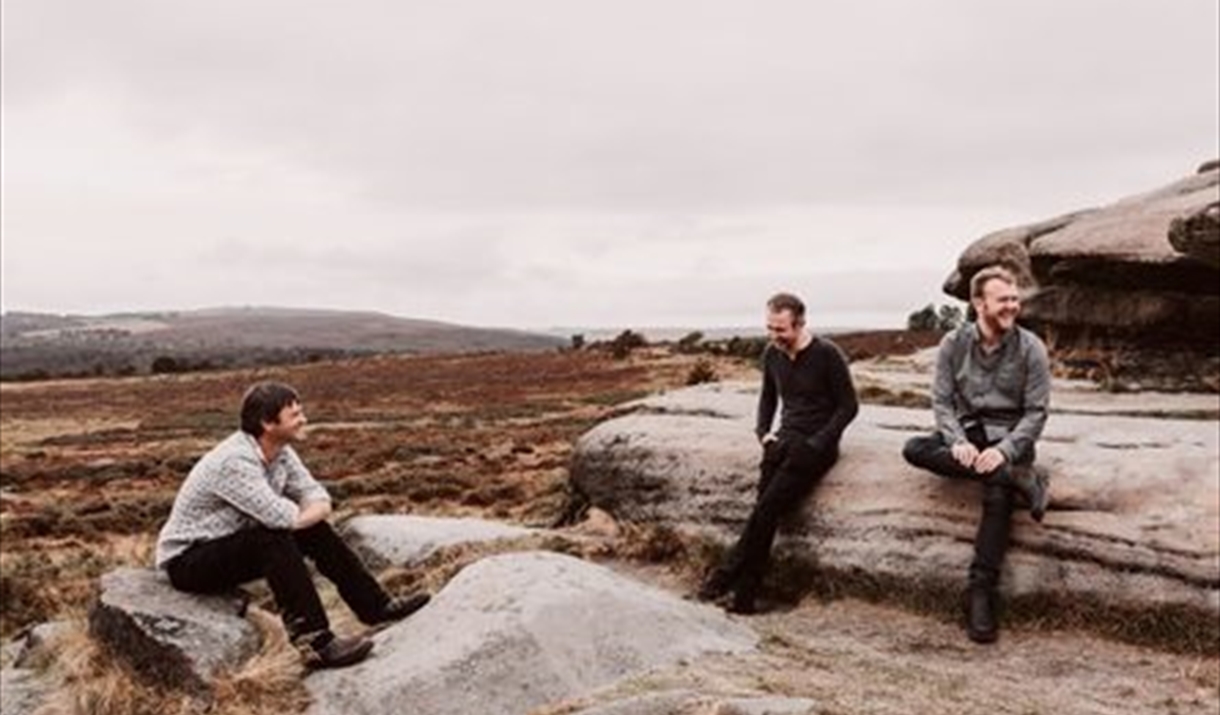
column 91, row 682
column 91, row 462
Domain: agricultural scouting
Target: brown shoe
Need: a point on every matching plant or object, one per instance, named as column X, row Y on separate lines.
column 340, row 652
column 399, row 608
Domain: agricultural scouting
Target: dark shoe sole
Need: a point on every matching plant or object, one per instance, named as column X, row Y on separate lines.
column 352, row 657
column 743, row 606
column 983, row 637
column 714, row 587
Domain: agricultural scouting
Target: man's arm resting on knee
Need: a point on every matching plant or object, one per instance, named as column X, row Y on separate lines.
column 311, row 513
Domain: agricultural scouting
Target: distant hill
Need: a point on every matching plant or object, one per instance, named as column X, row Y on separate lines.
column 37, row 345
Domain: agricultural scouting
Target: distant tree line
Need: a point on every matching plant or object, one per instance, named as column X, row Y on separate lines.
column 943, row 319
column 39, row 362
column 626, row 342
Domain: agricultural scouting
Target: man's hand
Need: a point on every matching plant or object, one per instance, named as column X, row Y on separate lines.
column 767, row 439
column 965, row 454
column 989, row 460
column 311, row 513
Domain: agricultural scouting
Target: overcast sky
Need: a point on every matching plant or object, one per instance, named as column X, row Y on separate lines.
column 536, row 163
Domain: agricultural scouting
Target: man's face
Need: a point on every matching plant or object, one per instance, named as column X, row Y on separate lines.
column 783, row 329
column 289, row 425
column 999, row 305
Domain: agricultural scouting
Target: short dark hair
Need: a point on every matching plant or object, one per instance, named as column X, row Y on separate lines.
column 262, row 403
column 780, row 302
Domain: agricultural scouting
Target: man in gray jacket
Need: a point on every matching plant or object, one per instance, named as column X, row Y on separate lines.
column 990, row 399
column 250, row 509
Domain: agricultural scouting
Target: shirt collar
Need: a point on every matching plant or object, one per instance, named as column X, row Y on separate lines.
column 976, row 335
column 252, row 443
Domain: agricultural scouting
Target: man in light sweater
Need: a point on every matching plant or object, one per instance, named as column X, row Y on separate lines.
column 250, row 509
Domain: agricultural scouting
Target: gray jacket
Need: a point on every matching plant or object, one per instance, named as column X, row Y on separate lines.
column 1006, row 392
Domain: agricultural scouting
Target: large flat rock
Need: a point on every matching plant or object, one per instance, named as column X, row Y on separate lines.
column 399, row 540
column 1134, row 523
column 684, row 702
column 513, row 632
column 22, row 691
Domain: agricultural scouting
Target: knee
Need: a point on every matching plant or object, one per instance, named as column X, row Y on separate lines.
column 265, row 539
column 915, row 449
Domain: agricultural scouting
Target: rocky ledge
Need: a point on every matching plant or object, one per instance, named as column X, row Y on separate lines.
column 1130, row 291
column 1131, row 545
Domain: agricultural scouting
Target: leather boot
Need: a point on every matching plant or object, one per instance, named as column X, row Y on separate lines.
column 716, row 585
column 339, row 652
column 744, row 603
column 1034, row 484
column 980, row 617
column 400, row 607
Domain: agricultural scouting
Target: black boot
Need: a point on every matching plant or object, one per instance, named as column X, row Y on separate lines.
column 1033, row 483
column 980, row 616
column 716, row 585
column 744, row 603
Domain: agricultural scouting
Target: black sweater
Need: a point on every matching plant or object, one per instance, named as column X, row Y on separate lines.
column 815, row 387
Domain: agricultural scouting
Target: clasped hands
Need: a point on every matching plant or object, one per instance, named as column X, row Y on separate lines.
column 982, row 462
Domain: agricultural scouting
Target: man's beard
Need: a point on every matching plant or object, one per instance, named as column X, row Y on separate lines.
column 997, row 323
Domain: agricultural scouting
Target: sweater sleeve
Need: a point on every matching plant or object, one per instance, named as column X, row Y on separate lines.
column 768, row 399
column 301, row 486
column 240, row 482
column 843, row 393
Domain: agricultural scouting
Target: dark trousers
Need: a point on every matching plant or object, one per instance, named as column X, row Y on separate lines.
column 789, row 471
column 279, row 556
column 991, row 541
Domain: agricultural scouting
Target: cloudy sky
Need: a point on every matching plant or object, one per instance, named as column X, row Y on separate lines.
column 541, row 163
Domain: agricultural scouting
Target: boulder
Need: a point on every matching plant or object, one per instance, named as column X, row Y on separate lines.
column 22, row 691
column 1198, row 234
column 1131, row 284
column 1134, row 525
column 516, row 631
column 384, row 540
column 38, row 646
column 170, row 638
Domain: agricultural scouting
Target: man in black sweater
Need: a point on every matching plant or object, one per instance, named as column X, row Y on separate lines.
column 809, row 375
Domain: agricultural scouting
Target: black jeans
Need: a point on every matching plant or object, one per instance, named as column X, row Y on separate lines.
column 279, row 556
column 991, row 541
column 789, row 471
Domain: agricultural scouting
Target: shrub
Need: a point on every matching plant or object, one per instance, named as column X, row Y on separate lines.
column 690, row 342
column 625, row 342
column 165, row 364
column 929, row 318
column 701, row 372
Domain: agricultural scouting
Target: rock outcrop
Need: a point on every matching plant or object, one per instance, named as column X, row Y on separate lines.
column 388, row 539
column 172, row 639
column 1134, row 530
column 1198, row 234
column 513, row 632
column 1134, row 286
column 689, row 703
column 22, row 691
